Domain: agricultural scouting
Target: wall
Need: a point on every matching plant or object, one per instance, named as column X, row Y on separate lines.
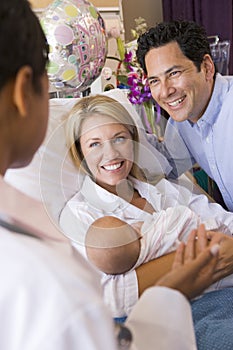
column 40, row 3
column 150, row 10
column 97, row 3
column 104, row 3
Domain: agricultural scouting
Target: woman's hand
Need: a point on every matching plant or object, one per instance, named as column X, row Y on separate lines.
column 194, row 264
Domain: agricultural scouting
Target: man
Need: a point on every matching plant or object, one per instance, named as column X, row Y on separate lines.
column 183, row 81
column 50, row 297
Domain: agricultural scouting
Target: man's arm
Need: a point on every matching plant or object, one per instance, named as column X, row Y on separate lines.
column 174, row 149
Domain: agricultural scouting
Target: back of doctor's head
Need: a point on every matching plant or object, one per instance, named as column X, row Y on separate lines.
column 22, row 42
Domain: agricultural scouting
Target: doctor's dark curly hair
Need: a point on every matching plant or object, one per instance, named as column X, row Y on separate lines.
column 21, row 36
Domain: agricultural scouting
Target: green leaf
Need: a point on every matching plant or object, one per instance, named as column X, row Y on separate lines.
column 121, row 48
column 122, row 79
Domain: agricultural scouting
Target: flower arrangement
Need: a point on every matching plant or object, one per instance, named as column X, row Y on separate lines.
column 130, row 76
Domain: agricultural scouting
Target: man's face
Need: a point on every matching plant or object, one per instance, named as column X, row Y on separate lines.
column 176, row 84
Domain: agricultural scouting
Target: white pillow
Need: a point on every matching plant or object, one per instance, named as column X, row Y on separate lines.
column 52, row 177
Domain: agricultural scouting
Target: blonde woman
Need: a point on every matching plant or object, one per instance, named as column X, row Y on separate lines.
column 105, row 146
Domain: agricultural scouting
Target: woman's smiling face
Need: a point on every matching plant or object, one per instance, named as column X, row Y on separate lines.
column 108, row 150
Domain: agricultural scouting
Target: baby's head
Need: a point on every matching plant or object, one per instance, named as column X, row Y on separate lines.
column 112, row 245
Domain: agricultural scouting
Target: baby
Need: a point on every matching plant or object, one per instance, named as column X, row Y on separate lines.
column 112, row 245
column 116, row 247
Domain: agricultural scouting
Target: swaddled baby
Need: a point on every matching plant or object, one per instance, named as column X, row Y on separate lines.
column 116, row 247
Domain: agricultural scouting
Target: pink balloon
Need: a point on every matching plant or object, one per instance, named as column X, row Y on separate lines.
column 63, row 34
column 78, row 43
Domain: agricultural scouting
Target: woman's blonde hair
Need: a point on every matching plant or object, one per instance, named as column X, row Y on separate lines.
column 102, row 105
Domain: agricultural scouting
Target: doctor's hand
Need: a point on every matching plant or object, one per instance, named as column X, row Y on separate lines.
column 194, row 264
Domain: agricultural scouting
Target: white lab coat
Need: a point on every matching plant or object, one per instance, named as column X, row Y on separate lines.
column 50, row 297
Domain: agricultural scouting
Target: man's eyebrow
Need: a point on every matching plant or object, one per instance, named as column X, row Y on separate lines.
column 169, row 70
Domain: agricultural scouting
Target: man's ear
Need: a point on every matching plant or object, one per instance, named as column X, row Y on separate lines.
column 208, row 66
column 23, row 90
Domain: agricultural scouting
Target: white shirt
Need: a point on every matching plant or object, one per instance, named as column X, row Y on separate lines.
column 92, row 202
column 50, row 297
column 171, row 327
column 163, row 231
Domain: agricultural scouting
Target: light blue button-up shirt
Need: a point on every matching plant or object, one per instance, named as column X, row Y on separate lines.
column 209, row 142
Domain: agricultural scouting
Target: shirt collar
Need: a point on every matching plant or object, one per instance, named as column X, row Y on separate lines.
column 98, row 196
column 221, row 86
column 101, row 199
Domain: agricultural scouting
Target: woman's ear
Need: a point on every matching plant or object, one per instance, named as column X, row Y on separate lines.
column 208, row 66
column 23, row 90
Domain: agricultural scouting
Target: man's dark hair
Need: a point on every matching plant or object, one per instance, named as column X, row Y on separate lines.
column 22, row 41
column 190, row 37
